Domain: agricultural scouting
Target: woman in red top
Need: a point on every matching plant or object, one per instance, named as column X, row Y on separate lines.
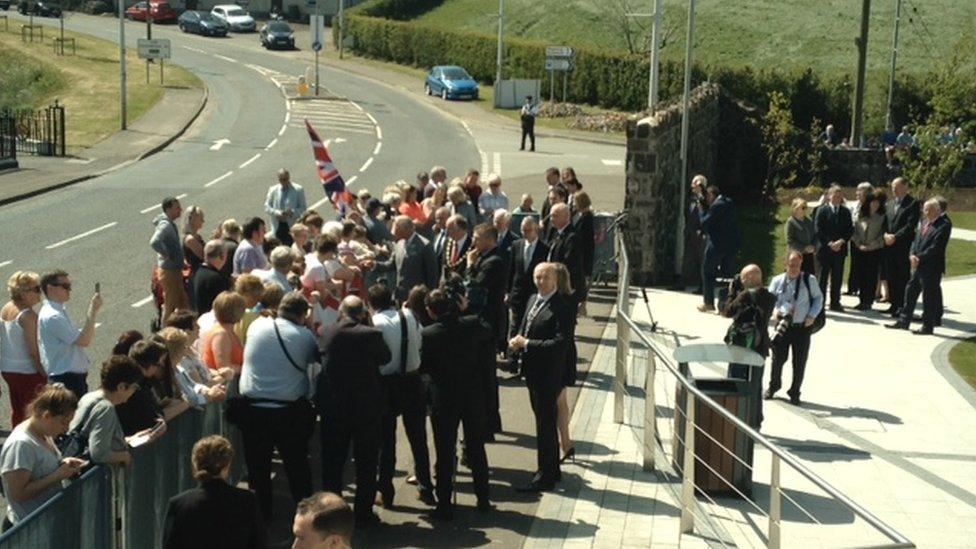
column 222, row 349
column 411, row 208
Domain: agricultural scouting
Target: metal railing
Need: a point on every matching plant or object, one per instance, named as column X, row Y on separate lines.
column 8, row 138
column 40, row 132
column 639, row 355
column 120, row 508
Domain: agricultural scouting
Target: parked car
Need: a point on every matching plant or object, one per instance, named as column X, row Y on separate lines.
column 44, row 8
column 451, row 82
column 278, row 34
column 202, row 22
column 235, row 17
column 4, row 5
column 161, row 12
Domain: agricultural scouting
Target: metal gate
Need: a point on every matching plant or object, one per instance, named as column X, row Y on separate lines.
column 39, row 132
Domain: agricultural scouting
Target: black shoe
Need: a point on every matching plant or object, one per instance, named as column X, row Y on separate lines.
column 768, row 395
column 795, row 400
column 426, row 495
column 837, row 308
column 924, row 330
column 384, row 499
column 536, row 486
column 895, row 314
column 442, row 512
column 366, row 520
column 891, row 310
column 569, row 455
column 897, row 325
column 484, row 505
column 863, row 307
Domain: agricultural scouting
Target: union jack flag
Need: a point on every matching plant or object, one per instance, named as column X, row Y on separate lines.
column 332, row 182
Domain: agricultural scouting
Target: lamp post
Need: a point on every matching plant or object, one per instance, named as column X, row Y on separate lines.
column 655, row 50
column 679, row 255
column 889, row 123
column 498, row 67
column 122, row 112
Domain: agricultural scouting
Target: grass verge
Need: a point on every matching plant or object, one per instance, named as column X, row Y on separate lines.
column 963, row 360
column 89, row 82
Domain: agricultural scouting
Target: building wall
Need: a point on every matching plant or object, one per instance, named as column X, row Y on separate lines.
column 850, row 167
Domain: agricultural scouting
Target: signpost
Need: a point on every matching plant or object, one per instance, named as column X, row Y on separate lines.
column 317, row 22
column 558, row 58
column 156, row 48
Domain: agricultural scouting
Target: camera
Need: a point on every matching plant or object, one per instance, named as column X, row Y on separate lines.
column 782, row 325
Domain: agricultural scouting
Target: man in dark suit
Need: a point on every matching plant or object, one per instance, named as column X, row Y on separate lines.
column 486, row 284
column 552, row 179
column 501, row 219
column 413, row 259
column 450, row 355
column 903, row 213
column 718, row 221
column 542, row 343
column 527, row 252
column 458, row 243
column 564, row 248
column 209, row 281
column 439, row 243
column 376, row 230
column 927, row 261
column 834, row 227
column 349, row 397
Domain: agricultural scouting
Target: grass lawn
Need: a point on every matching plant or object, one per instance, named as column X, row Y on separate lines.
column 764, row 242
column 963, row 360
column 89, row 82
column 486, row 94
column 963, row 220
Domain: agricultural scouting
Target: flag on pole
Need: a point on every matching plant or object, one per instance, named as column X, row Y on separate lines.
column 332, row 182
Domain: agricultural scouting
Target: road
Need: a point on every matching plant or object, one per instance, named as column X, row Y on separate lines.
column 98, row 230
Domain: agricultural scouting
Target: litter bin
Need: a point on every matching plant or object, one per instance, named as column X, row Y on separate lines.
column 738, row 396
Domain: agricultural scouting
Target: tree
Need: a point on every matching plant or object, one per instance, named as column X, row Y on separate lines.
column 628, row 17
column 783, row 144
column 932, row 163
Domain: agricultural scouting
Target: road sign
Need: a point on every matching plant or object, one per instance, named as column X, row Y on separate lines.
column 316, row 46
column 559, row 51
column 557, row 64
column 156, row 48
column 315, row 23
column 311, row 4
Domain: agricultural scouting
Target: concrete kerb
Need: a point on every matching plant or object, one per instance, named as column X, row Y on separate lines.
column 204, row 97
column 501, row 121
column 940, row 358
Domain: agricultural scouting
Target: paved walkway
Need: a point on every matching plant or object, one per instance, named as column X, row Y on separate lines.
column 884, row 420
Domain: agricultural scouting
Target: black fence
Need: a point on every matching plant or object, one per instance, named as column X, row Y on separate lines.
column 8, row 140
column 39, row 132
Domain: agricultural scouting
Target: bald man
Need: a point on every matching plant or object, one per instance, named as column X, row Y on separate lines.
column 347, row 398
column 564, row 247
column 750, row 311
column 323, row 521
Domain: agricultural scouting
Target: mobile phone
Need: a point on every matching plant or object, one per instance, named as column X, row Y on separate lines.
column 98, row 287
column 158, row 426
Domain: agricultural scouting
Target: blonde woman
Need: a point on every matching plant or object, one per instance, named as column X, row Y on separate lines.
column 564, row 287
column 193, row 378
column 801, row 234
column 20, row 360
column 300, row 242
column 192, row 241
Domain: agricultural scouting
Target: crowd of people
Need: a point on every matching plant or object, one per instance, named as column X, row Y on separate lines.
column 897, row 250
column 404, row 307
column 898, row 145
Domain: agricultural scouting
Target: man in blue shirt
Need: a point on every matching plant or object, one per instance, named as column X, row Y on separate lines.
column 285, row 203
column 798, row 302
column 60, row 342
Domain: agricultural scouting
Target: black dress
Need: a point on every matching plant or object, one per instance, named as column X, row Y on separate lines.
column 192, row 259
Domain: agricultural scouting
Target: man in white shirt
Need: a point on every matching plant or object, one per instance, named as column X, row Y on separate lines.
column 285, row 202
column 494, row 199
column 404, row 391
column 438, row 175
column 60, row 342
column 282, row 258
column 528, row 114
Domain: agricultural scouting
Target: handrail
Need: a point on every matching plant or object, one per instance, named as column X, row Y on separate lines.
column 664, row 356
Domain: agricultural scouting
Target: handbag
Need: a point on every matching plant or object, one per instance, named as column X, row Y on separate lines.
column 75, row 442
column 821, row 320
column 303, row 409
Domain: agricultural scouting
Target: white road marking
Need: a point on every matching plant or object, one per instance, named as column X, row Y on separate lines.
column 351, row 117
column 272, row 144
column 484, row 161
column 249, row 160
column 609, row 162
column 328, row 122
column 467, row 128
column 219, row 179
column 370, row 116
column 354, row 104
column 497, row 163
column 225, row 58
column 333, row 127
column 5, row 263
column 288, row 106
column 82, row 235
column 376, row 151
column 379, row 133
column 151, row 208
column 218, row 144
column 142, row 302
column 97, row 324
column 79, row 161
column 366, row 165
column 198, row 50
column 351, row 180
column 282, row 130
column 287, row 116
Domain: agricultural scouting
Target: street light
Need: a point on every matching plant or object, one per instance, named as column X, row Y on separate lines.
column 679, row 255
column 498, row 68
column 122, row 115
column 655, row 47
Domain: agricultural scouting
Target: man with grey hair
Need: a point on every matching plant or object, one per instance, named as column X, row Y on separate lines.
column 282, row 258
column 494, row 199
column 412, row 259
column 209, row 280
column 502, row 221
column 441, row 215
column 285, row 203
column 438, row 174
column 275, row 382
column 834, row 227
column 927, row 261
column 455, row 254
column 347, row 398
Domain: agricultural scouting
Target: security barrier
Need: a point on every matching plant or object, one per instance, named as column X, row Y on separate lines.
column 135, row 498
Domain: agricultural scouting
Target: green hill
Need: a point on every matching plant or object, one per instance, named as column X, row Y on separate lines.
column 758, row 33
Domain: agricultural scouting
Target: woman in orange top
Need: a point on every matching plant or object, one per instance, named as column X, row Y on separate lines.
column 222, row 349
column 411, row 208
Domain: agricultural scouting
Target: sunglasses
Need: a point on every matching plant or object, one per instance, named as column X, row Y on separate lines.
column 65, row 285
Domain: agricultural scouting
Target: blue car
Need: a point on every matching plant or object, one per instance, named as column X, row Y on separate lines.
column 451, row 82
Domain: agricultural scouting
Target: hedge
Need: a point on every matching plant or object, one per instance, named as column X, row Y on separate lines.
column 610, row 79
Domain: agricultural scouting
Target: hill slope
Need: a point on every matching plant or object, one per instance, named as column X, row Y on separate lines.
column 759, row 33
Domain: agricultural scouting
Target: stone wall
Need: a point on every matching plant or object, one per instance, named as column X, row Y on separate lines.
column 722, row 144
column 852, row 166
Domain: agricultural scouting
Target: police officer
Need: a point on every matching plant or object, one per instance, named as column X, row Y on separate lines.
column 529, row 112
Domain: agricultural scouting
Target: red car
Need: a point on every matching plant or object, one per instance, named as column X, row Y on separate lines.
column 161, row 12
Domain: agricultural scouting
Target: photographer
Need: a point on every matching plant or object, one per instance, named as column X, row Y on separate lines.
column 798, row 302
column 750, row 310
